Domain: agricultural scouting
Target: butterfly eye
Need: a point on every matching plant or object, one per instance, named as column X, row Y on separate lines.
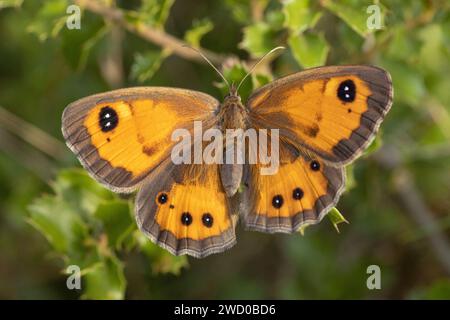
column 277, row 201
column 186, row 218
column 207, row 220
column 108, row 119
column 347, row 91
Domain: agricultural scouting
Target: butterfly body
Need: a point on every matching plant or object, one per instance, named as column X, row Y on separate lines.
column 315, row 121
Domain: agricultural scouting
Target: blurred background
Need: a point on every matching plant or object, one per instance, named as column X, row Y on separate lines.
column 53, row 215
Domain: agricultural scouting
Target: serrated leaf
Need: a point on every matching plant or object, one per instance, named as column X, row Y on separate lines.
column 116, row 221
column 146, row 64
column 104, row 280
column 235, row 74
column 336, row 218
column 240, row 10
column 299, row 15
column 276, row 19
column 353, row 13
column 155, row 12
column 10, row 3
column 77, row 45
column 309, row 49
column 198, row 30
column 50, row 19
column 77, row 188
column 259, row 38
column 59, row 223
column 161, row 260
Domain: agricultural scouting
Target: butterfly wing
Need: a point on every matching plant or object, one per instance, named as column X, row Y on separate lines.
column 121, row 136
column 186, row 210
column 301, row 192
column 333, row 112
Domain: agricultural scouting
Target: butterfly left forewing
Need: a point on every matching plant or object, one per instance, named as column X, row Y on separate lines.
column 122, row 135
column 185, row 209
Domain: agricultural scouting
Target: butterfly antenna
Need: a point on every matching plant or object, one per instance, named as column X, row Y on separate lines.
column 210, row 63
column 256, row 64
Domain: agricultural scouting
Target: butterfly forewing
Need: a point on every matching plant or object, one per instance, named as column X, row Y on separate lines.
column 333, row 112
column 121, row 136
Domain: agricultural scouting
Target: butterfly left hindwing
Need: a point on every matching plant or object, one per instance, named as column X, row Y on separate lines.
column 185, row 210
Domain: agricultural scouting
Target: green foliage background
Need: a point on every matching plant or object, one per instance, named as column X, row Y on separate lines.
column 53, row 215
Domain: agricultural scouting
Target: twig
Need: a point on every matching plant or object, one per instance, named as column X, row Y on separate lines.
column 32, row 134
column 412, row 200
column 31, row 159
column 156, row 36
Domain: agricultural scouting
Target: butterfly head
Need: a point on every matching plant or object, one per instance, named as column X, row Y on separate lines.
column 233, row 95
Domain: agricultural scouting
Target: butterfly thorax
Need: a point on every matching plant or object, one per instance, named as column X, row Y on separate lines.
column 233, row 114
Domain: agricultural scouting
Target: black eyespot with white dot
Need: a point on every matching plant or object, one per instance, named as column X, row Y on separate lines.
column 207, row 220
column 297, row 194
column 108, row 119
column 162, row 198
column 186, row 218
column 314, row 165
column 277, row 201
column 346, row 91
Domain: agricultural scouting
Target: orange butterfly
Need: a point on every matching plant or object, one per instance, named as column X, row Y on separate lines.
column 326, row 117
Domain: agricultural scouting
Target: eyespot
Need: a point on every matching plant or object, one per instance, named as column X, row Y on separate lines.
column 186, row 218
column 162, row 198
column 207, row 220
column 297, row 194
column 277, row 201
column 314, row 165
column 346, row 91
column 108, row 119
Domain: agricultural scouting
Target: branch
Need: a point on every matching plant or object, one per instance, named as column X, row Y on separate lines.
column 156, row 36
column 405, row 187
column 35, row 136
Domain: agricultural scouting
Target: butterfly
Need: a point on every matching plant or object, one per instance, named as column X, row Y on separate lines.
column 325, row 117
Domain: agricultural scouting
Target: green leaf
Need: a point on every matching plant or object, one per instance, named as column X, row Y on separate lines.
column 80, row 191
column 299, row 15
column 77, row 44
column 104, row 280
column 198, row 30
column 59, row 223
column 336, row 218
column 275, row 18
column 259, row 38
column 155, row 12
column 146, row 64
column 408, row 82
column 353, row 13
column 50, row 19
column 10, row 3
column 309, row 49
column 234, row 74
column 350, row 177
column 116, row 220
column 161, row 260
column 376, row 144
column 240, row 10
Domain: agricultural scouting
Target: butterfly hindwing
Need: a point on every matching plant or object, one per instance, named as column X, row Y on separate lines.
column 185, row 210
column 301, row 192
column 121, row 136
column 334, row 112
